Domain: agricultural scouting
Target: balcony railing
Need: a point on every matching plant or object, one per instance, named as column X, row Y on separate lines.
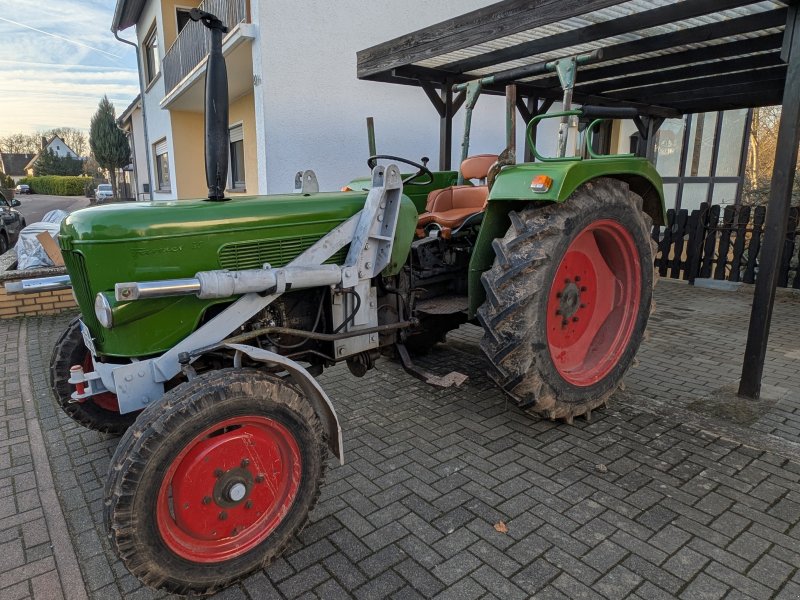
column 194, row 41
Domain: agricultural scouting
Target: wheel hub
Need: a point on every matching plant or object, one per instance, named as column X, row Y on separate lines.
column 570, row 300
column 233, row 487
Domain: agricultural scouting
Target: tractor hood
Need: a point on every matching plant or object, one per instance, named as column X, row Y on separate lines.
column 148, row 241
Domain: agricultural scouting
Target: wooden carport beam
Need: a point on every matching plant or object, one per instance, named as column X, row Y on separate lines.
column 476, row 27
column 592, row 33
column 447, row 107
column 780, row 197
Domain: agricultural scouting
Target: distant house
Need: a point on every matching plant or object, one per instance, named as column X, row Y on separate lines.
column 59, row 148
column 13, row 164
column 135, row 174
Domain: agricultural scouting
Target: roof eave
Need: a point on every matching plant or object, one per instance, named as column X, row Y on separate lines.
column 126, row 14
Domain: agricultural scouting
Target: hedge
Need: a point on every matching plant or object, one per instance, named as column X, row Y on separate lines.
column 57, row 185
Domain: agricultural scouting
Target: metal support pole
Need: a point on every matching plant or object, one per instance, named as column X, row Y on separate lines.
column 533, row 107
column 777, row 215
column 511, row 121
column 446, row 129
column 373, row 150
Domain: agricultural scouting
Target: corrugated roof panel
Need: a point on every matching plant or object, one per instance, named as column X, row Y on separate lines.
column 615, row 12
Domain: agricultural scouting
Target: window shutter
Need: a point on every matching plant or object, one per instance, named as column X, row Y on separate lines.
column 237, row 134
column 161, row 147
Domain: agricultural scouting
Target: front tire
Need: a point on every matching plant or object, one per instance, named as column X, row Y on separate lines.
column 100, row 412
column 568, row 299
column 213, row 480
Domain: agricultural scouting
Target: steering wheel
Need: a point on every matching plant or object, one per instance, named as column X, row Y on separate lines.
column 422, row 170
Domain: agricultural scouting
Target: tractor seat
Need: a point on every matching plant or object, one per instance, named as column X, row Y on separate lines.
column 449, row 208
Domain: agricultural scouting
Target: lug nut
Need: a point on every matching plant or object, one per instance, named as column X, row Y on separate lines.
column 218, row 473
column 574, row 319
column 584, row 288
column 245, row 462
column 564, row 323
column 260, row 478
column 223, row 515
column 577, row 278
column 207, row 500
column 248, row 504
column 558, row 311
column 558, row 294
column 567, row 281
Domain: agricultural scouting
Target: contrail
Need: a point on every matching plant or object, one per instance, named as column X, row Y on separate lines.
column 65, row 65
column 61, row 37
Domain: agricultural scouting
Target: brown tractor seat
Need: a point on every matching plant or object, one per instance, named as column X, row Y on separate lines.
column 450, row 207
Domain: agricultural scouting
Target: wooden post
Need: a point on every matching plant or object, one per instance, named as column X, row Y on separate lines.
column 777, row 214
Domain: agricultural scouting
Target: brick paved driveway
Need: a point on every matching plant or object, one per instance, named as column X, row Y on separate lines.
column 675, row 490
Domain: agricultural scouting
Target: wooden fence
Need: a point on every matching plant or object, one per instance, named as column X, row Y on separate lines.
column 707, row 244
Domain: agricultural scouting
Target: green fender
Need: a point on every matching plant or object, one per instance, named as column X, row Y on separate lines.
column 512, row 191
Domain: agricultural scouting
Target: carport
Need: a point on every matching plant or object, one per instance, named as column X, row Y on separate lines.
column 665, row 58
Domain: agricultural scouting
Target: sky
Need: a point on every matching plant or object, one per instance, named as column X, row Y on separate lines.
column 57, row 60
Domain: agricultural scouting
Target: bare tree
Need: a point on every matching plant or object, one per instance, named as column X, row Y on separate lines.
column 21, row 143
column 761, row 157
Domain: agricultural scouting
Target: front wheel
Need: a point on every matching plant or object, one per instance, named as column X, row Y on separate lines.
column 99, row 412
column 212, row 481
column 568, row 299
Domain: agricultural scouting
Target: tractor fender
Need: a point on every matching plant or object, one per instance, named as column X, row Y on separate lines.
column 313, row 390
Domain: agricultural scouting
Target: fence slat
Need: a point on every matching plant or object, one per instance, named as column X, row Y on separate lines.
column 679, row 243
column 788, row 248
column 666, row 244
column 742, row 220
column 755, row 244
column 694, row 247
column 710, row 242
column 724, row 242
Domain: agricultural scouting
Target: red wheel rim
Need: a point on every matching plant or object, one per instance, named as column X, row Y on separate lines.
column 105, row 400
column 593, row 304
column 228, row 489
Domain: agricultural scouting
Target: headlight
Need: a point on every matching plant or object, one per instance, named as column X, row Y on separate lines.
column 102, row 310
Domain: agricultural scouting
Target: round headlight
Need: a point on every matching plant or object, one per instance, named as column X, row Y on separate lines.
column 102, row 310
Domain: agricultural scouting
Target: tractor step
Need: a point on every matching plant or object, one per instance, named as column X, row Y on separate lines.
column 443, row 305
column 451, row 379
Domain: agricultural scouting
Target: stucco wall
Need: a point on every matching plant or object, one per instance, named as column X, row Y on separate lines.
column 242, row 110
column 159, row 125
column 315, row 107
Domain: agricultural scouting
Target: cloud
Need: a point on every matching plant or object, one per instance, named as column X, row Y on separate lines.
column 57, row 59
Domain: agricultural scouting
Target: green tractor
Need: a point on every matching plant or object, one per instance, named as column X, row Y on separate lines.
column 203, row 323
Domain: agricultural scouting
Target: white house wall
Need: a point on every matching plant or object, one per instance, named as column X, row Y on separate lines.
column 140, row 154
column 315, row 108
column 158, row 119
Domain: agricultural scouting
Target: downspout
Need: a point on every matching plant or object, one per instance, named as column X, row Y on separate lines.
column 144, row 116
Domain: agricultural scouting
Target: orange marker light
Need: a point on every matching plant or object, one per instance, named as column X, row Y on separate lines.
column 347, row 188
column 541, row 183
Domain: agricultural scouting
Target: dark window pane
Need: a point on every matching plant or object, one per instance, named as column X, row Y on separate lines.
column 183, row 18
column 237, row 164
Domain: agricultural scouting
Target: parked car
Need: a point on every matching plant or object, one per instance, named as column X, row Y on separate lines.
column 11, row 222
column 23, row 189
column 103, row 192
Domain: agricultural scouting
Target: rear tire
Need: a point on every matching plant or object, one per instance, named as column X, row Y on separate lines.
column 213, row 481
column 568, row 299
column 101, row 412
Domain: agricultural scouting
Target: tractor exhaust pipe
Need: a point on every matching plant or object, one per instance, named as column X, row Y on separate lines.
column 216, row 113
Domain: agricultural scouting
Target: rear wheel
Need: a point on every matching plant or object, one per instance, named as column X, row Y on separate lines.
column 568, row 299
column 212, row 481
column 99, row 412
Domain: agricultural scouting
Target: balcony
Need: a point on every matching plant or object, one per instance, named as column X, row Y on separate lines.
column 194, row 42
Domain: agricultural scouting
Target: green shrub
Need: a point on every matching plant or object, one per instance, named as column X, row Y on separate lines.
column 6, row 181
column 57, row 185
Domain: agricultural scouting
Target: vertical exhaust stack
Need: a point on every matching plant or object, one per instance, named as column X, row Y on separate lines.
column 216, row 109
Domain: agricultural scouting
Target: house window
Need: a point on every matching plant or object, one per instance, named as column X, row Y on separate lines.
column 237, row 158
column 161, row 153
column 152, row 65
column 182, row 17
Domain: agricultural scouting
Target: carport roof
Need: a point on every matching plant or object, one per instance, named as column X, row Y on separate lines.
column 665, row 57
